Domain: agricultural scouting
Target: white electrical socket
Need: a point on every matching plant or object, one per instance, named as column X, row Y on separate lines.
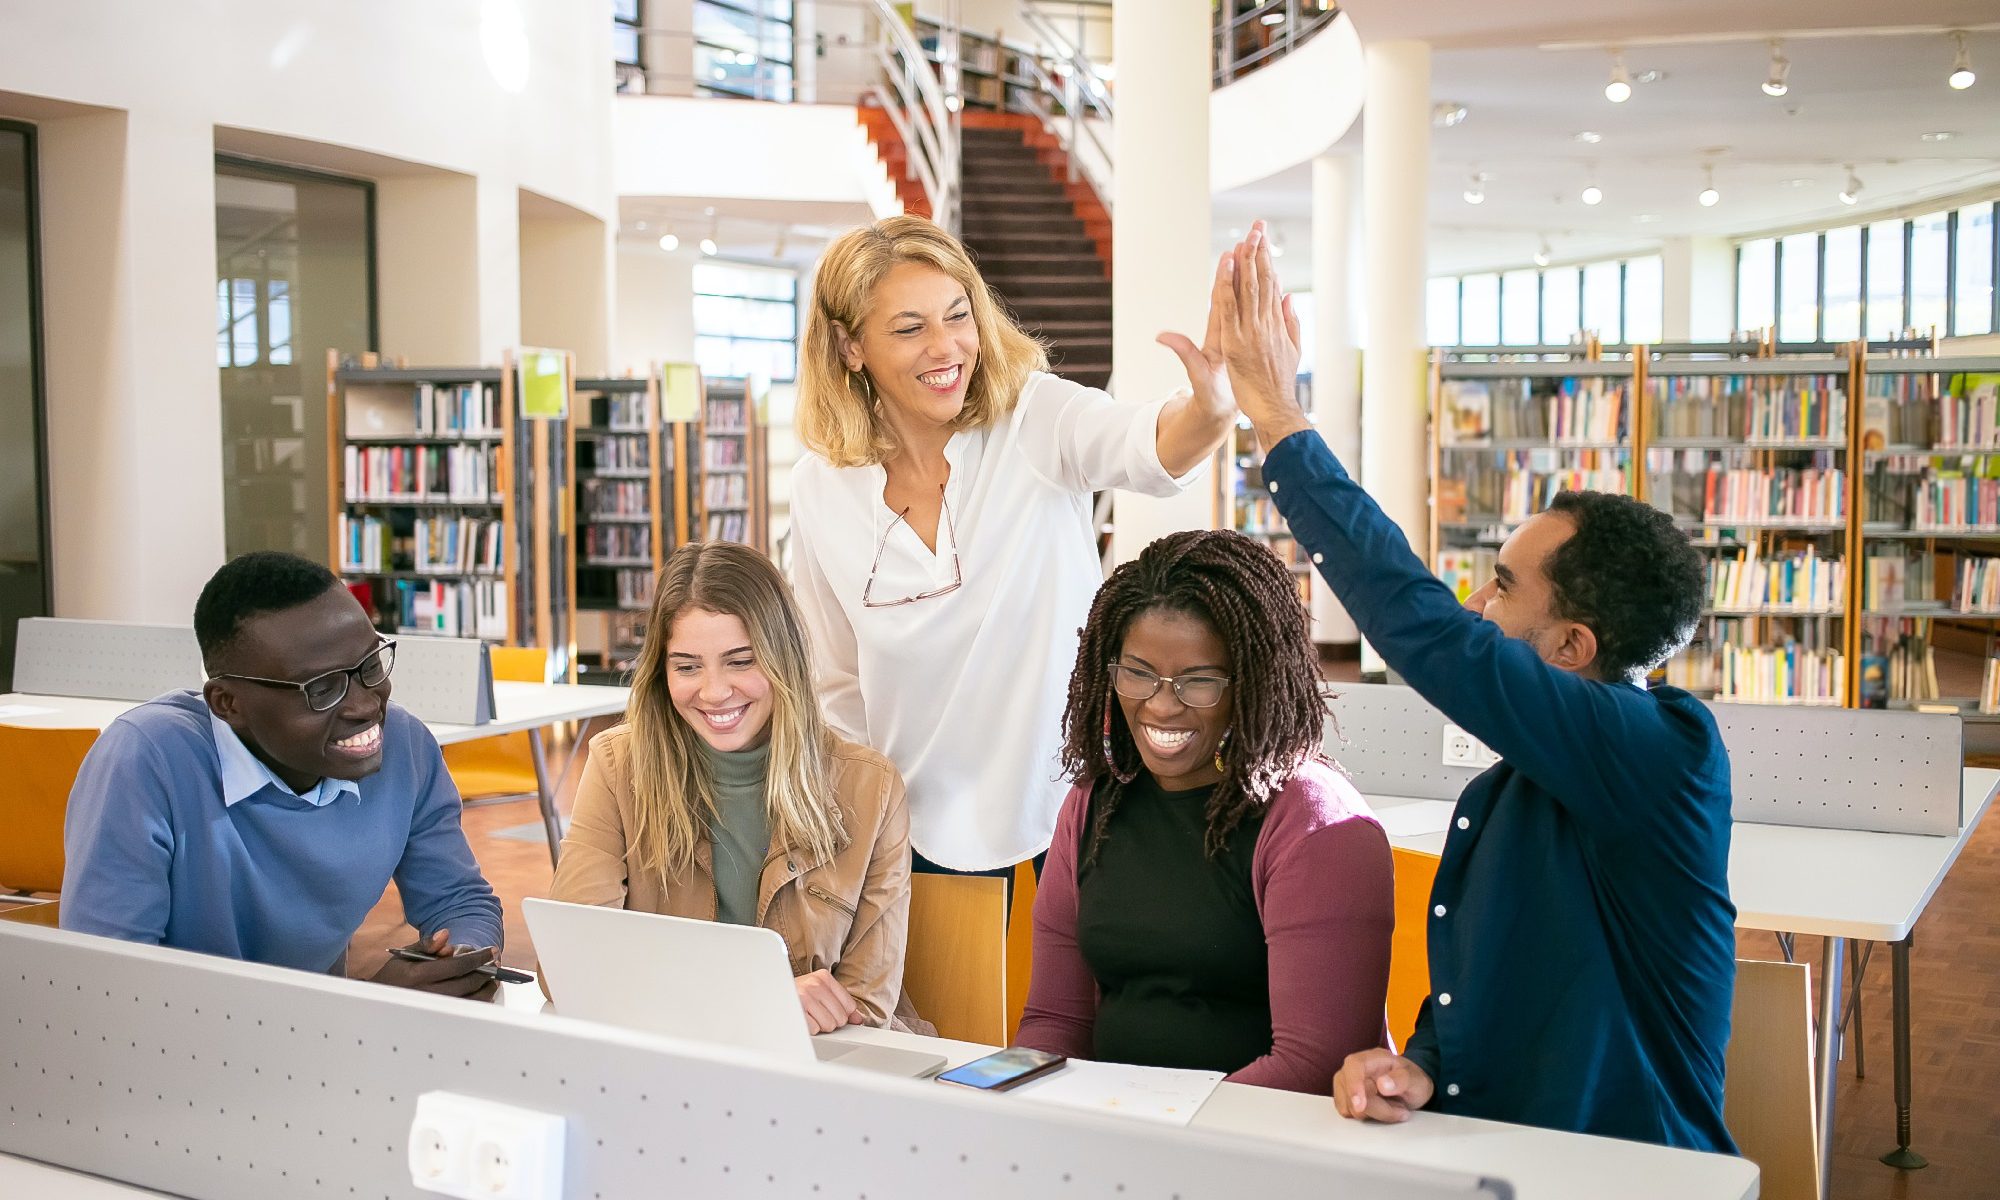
column 1461, row 749
column 478, row 1149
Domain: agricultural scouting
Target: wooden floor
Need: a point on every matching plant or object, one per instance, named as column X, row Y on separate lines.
column 1955, row 985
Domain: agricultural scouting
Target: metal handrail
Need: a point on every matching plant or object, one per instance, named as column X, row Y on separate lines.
column 1081, row 92
column 924, row 108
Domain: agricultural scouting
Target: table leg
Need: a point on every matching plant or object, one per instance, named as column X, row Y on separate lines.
column 1902, row 1157
column 1857, row 967
column 1827, row 1074
column 546, row 797
column 576, row 750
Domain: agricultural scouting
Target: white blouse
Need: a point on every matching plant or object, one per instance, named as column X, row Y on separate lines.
column 964, row 692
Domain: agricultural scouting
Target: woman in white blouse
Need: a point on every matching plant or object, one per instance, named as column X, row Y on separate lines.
column 943, row 552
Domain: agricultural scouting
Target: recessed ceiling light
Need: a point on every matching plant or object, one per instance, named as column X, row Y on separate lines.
column 1649, row 77
column 1647, row 218
column 1940, row 135
column 1592, row 194
column 1589, row 137
column 1447, row 113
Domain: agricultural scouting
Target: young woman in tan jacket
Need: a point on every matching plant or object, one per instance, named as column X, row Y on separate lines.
column 725, row 797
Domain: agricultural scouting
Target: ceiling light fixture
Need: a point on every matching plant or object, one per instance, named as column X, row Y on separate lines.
column 1447, row 113
column 1589, row 137
column 1592, row 194
column 1774, row 80
column 669, row 242
column 778, row 248
column 1542, row 254
column 1939, row 135
column 1649, row 76
column 1475, row 192
column 1961, row 76
column 1709, row 197
column 1619, row 90
column 1851, row 194
column 708, row 246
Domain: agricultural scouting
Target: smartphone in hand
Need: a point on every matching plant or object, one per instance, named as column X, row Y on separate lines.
column 490, row 970
column 1009, row 1068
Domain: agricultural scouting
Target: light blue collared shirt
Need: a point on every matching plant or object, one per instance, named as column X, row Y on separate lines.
column 244, row 774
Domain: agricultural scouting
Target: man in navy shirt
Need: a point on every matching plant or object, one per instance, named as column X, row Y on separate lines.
column 262, row 817
column 1580, row 931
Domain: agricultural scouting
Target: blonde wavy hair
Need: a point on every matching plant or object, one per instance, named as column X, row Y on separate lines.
column 671, row 780
column 836, row 418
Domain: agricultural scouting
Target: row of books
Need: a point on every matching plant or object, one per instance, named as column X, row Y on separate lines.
column 1968, row 415
column 723, row 452
column 1590, row 412
column 457, row 410
column 367, row 545
column 1800, row 581
column 1896, row 410
column 476, row 608
column 456, row 474
column 1563, row 410
column 616, row 498
column 1978, row 588
column 622, row 453
column 635, row 588
column 618, row 543
column 724, row 415
column 456, row 545
column 1898, row 662
column 1789, row 412
column 1954, row 500
column 627, row 410
column 1895, row 579
column 1699, row 406
column 1787, row 674
column 728, row 527
column 1989, row 687
column 1529, row 492
column 1466, row 571
column 1757, row 495
column 724, row 491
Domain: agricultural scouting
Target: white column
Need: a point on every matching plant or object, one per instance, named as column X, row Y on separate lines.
column 427, row 269
column 668, row 54
column 1395, row 176
column 134, row 395
column 1698, row 275
column 1161, row 269
column 1336, row 334
column 566, row 288
column 655, row 305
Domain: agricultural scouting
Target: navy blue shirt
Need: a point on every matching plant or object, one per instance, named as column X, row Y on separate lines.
column 1582, row 940
column 174, row 838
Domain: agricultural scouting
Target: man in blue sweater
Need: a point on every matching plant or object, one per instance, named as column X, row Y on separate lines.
column 1580, row 931
column 262, row 817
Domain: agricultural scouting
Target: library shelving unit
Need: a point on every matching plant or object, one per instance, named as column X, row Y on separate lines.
column 733, row 503
column 1242, row 503
column 632, row 509
column 994, row 74
column 447, row 506
column 1929, row 532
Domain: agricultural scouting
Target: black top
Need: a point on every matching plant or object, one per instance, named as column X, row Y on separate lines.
column 1172, row 936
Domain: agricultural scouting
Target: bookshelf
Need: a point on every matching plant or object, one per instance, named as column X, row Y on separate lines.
column 994, row 74
column 732, row 503
column 1242, row 503
column 446, row 517
column 632, row 509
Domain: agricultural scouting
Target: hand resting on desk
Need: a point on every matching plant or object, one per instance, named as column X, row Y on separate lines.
column 1380, row 1086
column 828, row 1005
column 452, row 973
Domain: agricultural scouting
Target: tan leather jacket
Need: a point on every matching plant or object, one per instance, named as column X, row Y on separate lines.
column 848, row 914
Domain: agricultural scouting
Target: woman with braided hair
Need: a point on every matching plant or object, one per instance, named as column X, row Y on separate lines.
column 1218, row 895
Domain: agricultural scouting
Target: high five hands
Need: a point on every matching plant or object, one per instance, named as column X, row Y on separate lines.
column 1250, row 351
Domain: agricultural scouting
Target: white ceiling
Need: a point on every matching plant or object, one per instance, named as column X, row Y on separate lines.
column 744, row 229
column 1532, row 73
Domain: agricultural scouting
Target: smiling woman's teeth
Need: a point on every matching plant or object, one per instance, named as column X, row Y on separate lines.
column 944, row 378
column 724, row 720
column 1168, row 741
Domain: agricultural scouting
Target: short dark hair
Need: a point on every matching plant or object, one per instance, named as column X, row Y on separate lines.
column 251, row 584
column 1629, row 576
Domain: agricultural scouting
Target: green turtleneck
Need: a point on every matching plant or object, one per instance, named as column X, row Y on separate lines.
column 740, row 830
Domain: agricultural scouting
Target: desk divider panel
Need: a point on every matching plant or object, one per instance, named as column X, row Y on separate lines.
column 445, row 680
column 1823, row 768
column 105, row 660
column 208, row 1078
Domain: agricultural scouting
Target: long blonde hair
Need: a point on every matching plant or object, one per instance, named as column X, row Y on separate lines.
column 671, row 779
column 836, row 418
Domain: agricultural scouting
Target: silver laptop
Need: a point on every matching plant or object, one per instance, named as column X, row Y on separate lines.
column 633, row 970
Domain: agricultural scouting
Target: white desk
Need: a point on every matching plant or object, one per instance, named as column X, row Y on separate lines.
column 517, row 708
column 31, row 1180
column 1542, row 1164
column 1840, row 885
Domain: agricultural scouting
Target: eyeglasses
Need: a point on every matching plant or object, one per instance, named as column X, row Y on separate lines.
column 324, row 692
column 1195, row 691
column 957, row 576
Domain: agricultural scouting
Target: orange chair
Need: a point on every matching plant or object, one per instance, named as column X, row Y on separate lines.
column 1409, row 954
column 1020, row 946
column 500, row 768
column 41, row 767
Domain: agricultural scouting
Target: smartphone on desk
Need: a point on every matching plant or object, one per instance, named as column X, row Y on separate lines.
column 1009, row 1068
column 490, row 970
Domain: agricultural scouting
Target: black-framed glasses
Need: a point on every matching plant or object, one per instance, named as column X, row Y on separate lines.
column 323, row 692
column 957, row 575
column 1195, row 691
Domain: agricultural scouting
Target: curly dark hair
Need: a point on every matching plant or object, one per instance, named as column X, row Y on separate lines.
column 1243, row 592
column 1629, row 576
column 249, row 585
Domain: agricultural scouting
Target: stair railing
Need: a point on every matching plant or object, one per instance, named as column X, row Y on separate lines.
column 923, row 105
column 1086, row 102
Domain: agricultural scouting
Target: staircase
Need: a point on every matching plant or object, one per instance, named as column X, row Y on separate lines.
column 1043, row 243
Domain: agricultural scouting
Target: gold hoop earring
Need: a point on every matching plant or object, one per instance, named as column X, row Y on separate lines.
column 867, row 386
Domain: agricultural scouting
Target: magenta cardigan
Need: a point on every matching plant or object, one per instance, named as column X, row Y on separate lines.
column 1325, row 889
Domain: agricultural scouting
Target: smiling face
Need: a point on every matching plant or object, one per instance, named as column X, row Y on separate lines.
column 1176, row 742
column 919, row 345
column 714, row 681
column 1521, row 599
column 301, row 746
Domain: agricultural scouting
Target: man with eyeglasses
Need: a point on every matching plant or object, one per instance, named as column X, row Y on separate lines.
column 261, row 817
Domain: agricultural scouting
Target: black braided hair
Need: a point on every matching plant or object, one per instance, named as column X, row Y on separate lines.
column 1246, row 595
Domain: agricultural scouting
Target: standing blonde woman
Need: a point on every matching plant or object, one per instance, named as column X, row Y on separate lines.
column 941, row 526
column 724, row 797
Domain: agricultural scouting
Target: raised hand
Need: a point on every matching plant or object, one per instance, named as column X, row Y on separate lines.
column 1261, row 340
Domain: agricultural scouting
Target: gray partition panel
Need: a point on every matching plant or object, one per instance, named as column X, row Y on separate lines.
column 1831, row 768
column 105, row 660
column 228, row 1081
column 445, row 680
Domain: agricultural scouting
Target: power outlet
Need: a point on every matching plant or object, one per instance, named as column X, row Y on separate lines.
column 1461, row 749
column 478, row 1149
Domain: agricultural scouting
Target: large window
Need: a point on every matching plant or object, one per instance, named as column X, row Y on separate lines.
column 1645, row 301
column 1520, row 308
column 1562, row 298
column 1934, row 273
column 1604, row 300
column 746, row 320
column 743, row 48
column 1619, row 301
column 24, row 575
column 1441, row 312
column 294, row 278
column 1479, row 319
column 625, row 33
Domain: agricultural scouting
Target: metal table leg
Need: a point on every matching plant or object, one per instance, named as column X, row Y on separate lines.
column 1902, row 1157
column 1827, row 1074
column 546, row 797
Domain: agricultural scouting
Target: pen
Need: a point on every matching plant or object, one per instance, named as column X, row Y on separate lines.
column 491, row 970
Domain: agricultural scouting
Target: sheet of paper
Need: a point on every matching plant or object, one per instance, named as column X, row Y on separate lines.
column 1162, row 1094
column 9, row 712
column 1416, row 818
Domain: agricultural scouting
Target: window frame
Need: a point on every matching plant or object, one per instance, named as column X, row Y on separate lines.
column 791, row 305
column 37, row 356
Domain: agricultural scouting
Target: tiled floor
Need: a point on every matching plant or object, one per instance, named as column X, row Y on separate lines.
column 1955, row 979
